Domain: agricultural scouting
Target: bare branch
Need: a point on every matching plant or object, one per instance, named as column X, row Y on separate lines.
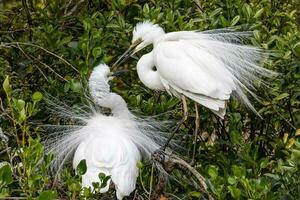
column 197, row 3
column 29, row 19
column 6, row 44
column 171, row 161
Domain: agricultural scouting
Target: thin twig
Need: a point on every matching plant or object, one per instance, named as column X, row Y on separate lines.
column 29, row 19
column 171, row 161
column 16, row 30
column 5, row 44
column 199, row 177
column 197, row 3
column 197, row 125
column 30, row 58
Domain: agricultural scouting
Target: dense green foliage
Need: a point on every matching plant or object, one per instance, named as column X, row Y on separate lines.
column 52, row 46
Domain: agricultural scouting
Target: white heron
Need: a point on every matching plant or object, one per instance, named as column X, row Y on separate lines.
column 111, row 144
column 207, row 67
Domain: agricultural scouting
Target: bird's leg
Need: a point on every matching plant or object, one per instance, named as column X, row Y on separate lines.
column 197, row 125
column 184, row 118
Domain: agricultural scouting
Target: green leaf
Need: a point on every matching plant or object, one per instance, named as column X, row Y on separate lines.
column 236, row 137
column 6, row 177
column 20, row 104
column 274, row 176
column 22, row 115
column 6, row 86
column 65, row 40
column 86, row 192
column 215, row 12
column 73, row 44
column 146, row 8
column 74, row 186
column 231, row 180
column 238, row 171
column 101, row 176
column 264, row 163
column 86, row 25
column 194, row 194
column 256, row 35
column 296, row 49
column 297, row 133
column 235, row 20
column 213, row 172
column 47, row 195
column 103, row 179
column 75, row 86
column 37, row 96
column 97, row 51
column 258, row 13
column 140, row 164
column 81, row 167
column 235, row 192
column 281, row 96
column 96, row 184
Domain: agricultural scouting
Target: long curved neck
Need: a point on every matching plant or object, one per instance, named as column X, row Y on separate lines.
column 115, row 103
column 120, row 111
column 98, row 82
column 148, row 72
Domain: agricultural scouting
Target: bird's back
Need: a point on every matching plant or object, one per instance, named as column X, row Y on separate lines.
column 109, row 150
column 211, row 64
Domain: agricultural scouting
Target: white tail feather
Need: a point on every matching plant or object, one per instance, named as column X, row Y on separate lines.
column 244, row 62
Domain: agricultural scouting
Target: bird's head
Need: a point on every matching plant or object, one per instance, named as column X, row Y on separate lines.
column 144, row 34
column 99, row 80
column 102, row 71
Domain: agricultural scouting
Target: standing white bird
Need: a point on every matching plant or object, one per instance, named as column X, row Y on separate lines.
column 206, row 67
column 110, row 144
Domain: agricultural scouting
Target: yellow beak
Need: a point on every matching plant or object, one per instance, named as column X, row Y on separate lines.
column 128, row 53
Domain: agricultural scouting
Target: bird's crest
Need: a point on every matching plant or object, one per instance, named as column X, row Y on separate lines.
column 147, row 31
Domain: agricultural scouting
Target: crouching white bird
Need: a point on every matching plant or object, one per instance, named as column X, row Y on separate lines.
column 207, row 67
column 111, row 144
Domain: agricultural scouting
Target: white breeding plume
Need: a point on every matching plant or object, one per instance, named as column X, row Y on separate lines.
column 206, row 67
column 110, row 144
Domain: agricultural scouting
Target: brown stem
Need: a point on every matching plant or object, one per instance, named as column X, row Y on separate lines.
column 29, row 19
column 184, row 118
column 197, row 3
column 197, row 125
column 171, row 161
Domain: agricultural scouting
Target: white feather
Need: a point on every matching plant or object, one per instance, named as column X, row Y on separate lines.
column 207, row 67
column 111, row 144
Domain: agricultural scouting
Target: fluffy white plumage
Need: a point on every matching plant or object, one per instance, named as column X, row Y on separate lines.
column 111, row 144
column 207, row 67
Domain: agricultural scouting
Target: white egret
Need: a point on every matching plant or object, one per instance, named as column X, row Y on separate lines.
column 111, row 144
column 206, row 67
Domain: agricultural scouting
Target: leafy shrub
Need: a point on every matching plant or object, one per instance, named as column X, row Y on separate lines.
column 51, row 47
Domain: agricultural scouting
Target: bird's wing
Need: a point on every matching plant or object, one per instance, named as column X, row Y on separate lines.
column 124, row 175
column 193, row 70
column 105, row 151
column 113, row 155
column 217, row 106
column 227, row 64
column 119, row 156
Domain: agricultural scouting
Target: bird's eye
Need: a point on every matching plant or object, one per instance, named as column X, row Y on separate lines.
column 154, row 68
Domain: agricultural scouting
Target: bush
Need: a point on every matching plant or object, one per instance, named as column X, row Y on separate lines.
column 52, row 46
